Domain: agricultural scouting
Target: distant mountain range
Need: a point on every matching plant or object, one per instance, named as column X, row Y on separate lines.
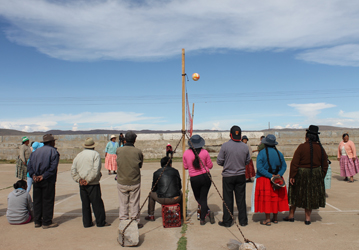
column 116, row 132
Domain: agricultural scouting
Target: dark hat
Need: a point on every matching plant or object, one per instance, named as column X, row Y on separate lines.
column 89, row 143
column 130, row 136
column 313, row 130
column 245, row 137
column 48, row 137
column 196, row 141
column 270, row 140
column 236, row 133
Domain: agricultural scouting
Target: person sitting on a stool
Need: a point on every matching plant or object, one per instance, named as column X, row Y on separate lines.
column 167, row 190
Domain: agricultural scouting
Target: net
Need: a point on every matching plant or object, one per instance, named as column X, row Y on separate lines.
column 189, row 119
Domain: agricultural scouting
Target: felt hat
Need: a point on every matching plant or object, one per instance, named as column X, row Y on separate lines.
column 313, row 130
column 196, row 141
column 236, row 133
column 278, row 182
column 48, row 137
column 270, row 140
column 113, row 136
column 24, row 139
column 89, row 143
column 245, row 137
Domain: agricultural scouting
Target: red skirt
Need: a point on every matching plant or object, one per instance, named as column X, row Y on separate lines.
column 267, row 200
column 250, row 172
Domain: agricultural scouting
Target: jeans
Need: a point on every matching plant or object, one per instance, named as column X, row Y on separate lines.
column 29, row 183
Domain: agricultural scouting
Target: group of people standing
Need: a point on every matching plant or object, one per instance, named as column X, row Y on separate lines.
column 306, row 187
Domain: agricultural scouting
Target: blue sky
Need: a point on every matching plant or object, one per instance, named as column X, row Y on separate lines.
column 84, row 65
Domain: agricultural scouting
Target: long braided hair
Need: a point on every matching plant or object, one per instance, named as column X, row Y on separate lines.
column 270, row 169
column 196, row 161
column 314, row 138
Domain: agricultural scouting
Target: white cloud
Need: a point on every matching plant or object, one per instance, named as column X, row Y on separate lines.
column 147, row 30
column 311, row 110
column 343, row 55
column 82, row 121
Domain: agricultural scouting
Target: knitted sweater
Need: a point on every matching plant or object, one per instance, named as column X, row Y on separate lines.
column 19, row 205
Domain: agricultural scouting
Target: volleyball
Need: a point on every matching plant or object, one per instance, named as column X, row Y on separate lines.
column 195, row 77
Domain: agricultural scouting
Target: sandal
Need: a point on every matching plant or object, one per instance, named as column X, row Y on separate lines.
column 274, row 221
column 266, row 223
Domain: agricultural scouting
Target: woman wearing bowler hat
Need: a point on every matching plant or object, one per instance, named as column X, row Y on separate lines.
column 270, row 165
column 307, row 172
column 198, row 162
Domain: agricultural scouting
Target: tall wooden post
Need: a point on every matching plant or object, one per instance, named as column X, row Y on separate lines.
column 184, row 195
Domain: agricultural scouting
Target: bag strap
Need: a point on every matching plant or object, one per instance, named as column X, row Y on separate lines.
column 270, row 169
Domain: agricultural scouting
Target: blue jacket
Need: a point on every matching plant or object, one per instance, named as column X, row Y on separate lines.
column 44, row 161
column 262, row 163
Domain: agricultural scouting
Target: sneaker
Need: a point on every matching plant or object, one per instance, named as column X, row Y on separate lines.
column 139, row 225
column 202, row 222
column 150, row 218
column 107, row 224
column 211, row 217
column 50, row 226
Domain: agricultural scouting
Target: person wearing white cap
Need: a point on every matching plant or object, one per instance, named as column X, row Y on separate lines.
column 110, row 155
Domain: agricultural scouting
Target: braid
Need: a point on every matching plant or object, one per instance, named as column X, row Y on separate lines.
column 195, row 162
column 270, row 170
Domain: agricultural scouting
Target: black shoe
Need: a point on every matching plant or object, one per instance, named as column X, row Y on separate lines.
column 202, row 222
column 37, row 225
column 345, row 179
column 91, row 225
column 243, row 224
column 287, row 219
column 222, row 224
column 139, row 225
column 307, row 222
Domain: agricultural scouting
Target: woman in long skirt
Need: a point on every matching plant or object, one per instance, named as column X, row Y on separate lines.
column 250, row 172
column 307, row 172
column 110, row 155
column 270, row 163
column 349, row 164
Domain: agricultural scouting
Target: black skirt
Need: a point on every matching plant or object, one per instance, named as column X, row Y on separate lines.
column 308, row 190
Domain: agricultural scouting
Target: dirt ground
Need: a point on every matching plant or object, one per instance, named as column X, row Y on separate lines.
column 334, row 227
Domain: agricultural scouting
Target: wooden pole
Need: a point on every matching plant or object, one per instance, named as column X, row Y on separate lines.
column 184, row 195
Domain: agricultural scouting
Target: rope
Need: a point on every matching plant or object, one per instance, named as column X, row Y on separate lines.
column 209, row 175
column 159, row 177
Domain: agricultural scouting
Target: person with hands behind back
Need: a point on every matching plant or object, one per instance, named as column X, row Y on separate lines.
column 86, row 170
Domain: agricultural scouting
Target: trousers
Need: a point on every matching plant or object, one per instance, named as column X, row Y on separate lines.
column 129, row 201
column 44, row 199
column 163, row 201
column 91, row 195
column 200, row 185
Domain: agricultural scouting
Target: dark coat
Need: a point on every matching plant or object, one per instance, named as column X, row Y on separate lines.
column 169, row 185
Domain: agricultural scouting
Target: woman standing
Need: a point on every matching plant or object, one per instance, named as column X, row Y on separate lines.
column 110, row 155
column 19, row 205
column 250, row 172
column 307, row 171
column 21, row 162
column 270, row 163
column 197, row 171
column 34, row 145
column 349, row 164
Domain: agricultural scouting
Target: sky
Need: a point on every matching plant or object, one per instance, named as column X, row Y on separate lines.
column 94, row 64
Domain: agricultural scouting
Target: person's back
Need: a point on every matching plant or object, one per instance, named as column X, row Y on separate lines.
column 87, row 165
column 170, row 183
column 129, row 162
column 233, row 156
column 278, row 164
column 19, row 206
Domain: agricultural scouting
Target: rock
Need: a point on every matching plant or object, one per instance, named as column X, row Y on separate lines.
column 233, row 244
column 249, row 246
column 132, row 236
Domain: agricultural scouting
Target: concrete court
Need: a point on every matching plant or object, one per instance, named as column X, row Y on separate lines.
column 334, row 227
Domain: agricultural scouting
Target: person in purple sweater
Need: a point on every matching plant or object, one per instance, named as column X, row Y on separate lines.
column 234, row 156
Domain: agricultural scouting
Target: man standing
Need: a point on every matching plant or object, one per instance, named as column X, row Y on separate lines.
column 42, row 169
column 121, row 140
column 168, row 189
column 129, row 162
column 86, row 170
column 234, row 156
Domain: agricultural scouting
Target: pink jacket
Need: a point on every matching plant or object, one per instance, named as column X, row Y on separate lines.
column 349, row 148
column 188, row 158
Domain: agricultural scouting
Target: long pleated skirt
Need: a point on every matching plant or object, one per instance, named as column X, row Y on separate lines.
column 250, row 172
column 110, row 162
column 308, row 190
column 348, row 167
column 267, row 200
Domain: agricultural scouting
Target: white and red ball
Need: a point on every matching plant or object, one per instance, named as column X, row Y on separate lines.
column 195, row 77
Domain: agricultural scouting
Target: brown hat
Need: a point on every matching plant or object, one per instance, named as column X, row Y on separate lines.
column 89, row 143
column 48, row 137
